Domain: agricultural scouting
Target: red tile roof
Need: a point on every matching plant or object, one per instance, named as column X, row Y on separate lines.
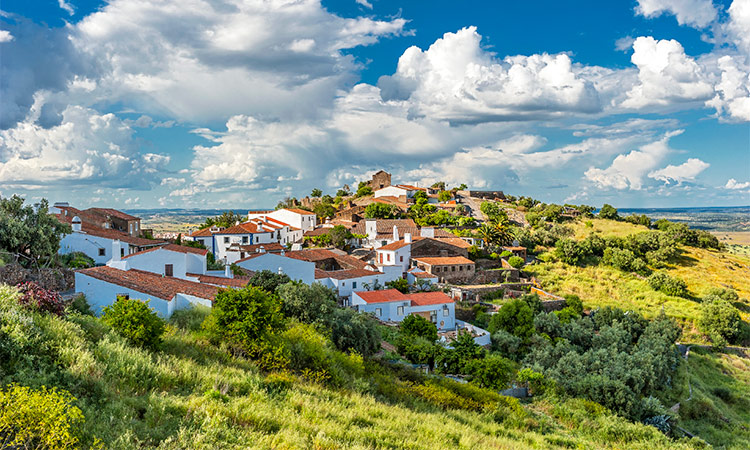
column 300, row 211
column 149, row 283
column 382, row 296
column 429, row 298
column 421, row 273
column 444, row 260
column 410, row 187
column 272, row 247
column 172, row 248
column 109, row 233
column 385, row 226
column 395, row 245
column 319, row 254
column 239, row 282
column 112, row 212
column 203, row 232
column 345, row 274
column 243, row 228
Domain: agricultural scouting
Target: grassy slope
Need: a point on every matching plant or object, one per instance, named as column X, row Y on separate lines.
column 191, row 394
column 606, row 286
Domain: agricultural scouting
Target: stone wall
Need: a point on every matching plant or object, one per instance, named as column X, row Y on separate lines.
column 495, row 276
column 54, row 279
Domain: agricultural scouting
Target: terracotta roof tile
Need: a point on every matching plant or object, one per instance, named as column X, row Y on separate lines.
column 345, row 274
column 319, row 254
column 429, row 298
column 172, row 248
column 395, row 245
column 109, row 233
column 300, row 211
column 112, row 212
column 150, row 283
column 444, row 260
column 382, row 296
column 239, row 282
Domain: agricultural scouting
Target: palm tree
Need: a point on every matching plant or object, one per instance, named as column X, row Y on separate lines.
column 487, row 233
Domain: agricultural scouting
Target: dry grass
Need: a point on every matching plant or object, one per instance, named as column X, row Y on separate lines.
column 604, row 228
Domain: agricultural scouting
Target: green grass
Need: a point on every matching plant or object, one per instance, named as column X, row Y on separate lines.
column 192, row 394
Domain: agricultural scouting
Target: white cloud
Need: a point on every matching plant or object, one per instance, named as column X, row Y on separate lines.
column 198, row 60
column 697, row 13
column 85, row 148
column 738, row 26
column 735, row 185
column 456, row 80
column 364, row 3
column 5, row 36
column 66, row 6
column 624, row 44
column 686, row 171
column 732, row 99
column 666, row 75
column 628, row 170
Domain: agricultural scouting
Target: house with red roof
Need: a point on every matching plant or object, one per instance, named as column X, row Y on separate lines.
column 294, row 217
column 390, row 305
column 170, row 260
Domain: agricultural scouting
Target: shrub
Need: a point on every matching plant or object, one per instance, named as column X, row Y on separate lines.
column 416, row 349
column 39, row 419
column 720, row 317
column 506, row 344
column 624, row 260
column 246, row 316
column 415, row 325
column 535, row 381
column 568, row 251
column 492, row 371
column 506, row 253
column 515, row 317
column 135, row 321
column 669, row 285
column 729, row 295
column 353, row 331
column 308, row 303
column 43, row 300
column 516, row 262
column 81, row 305
column 190, row 319
column 608, row 212
column 400, row 284
column 574, row 302
column 76, row 260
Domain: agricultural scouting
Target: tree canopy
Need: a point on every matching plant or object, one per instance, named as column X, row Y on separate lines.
column 29, row 230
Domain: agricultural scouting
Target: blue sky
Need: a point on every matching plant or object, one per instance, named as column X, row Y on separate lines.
column 229, row 103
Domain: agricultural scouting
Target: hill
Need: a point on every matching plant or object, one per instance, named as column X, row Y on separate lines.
column 193, row 394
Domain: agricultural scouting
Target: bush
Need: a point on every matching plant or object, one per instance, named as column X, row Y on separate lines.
column 720, row 317
column 39, row 419
column 81, row 305
column 135, row 321
column 77, row 260
column 671, row 286
column 308, row 303
column 190, row 319
column 353, row 331
column 492, row 371
column 568, row 251
column 506, row 344
column 40, row 299
column 268, row 281
column 400, row 284
column 418, row 326
column 729, row 295
column 624, row 260
column 516, row 262
column 608, row 212
column 416, row 349
column 515, row 317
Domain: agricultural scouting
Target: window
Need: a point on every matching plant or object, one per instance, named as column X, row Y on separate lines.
column 354, row 285
column 402, row 259
column 168, row 270
column 244, row 239
column 388, row 257
column 460, row 268
column 257, row 239
column 378, row 312
column 226, row 239
column 102, row 252
column 381, row 258
column 445, row 311
column 400, row 310
column 122, row 252
column 433, row 316
column 453, row 268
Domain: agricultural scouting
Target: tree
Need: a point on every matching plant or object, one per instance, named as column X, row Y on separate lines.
column 340, row 236
column 353, row 331
column 268, row 281
column 135, row 321
column 439, row 185
column 515, row 317
column 225, row 220
column 382, row 211
column 400, row 284
column 493, row 371
column 608, row 212
column 30, row 230
column 568, row 251
column 307, row 303
column 363, row 190
column 488, row 233
column 669, row 285
column 516, row 262
column 444, row 196
column 324, row 210
column 417, row 326
column 316, row 193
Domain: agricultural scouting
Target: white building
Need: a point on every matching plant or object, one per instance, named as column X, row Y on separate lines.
column 391, row 305
column 397, row 254
column 346, row 281
column 205, row 236
column 294, row 268
column 415, row 274
column 170, row 260
column 382, row 232
column 97, row 242
column 102, row 285
column 241, row 234
column 295, row 217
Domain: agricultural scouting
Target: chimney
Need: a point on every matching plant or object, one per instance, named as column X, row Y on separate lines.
column 56, row 208
column 115, row 250
column 371, row 228
column 428, row 232
column 76, row 224
column 260, row 227
column 395, row 233
column 407, row 238
column 281, row 272
column 228, row 272
column 261, row 249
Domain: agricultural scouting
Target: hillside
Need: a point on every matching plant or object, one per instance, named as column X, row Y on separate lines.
column 600, row 285
column 192, row 394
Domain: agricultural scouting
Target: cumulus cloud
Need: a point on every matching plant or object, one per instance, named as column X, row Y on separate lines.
column 628, row 169
column 456, row 80
column 364, row 3
column 67, row 7
column 697, row 13
column 666, row 75
column 5, row 36
column 85, row 148
column 732, row 98
column 736, row 185
column 686, row 171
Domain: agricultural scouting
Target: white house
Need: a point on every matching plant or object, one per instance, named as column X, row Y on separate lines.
column 415, row 274
column 295, row 217
column 398, row 191
column 382, row 232
column 96, row 242
column 346, row 281
column 243, row 234
column 170, row 260
column 396, row 254
column 390, row 305
column 296, row 269
column 238, row 251
column 102, row 285
column 205, row 236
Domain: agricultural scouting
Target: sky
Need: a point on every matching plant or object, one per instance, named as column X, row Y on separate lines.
column 240, row 103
